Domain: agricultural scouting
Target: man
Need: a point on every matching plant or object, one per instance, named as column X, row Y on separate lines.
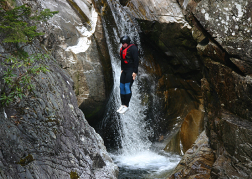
column 129, row 70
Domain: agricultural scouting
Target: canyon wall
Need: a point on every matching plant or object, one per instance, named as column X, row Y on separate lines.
column 199, row 55
column 206, row 49
column 46, row 135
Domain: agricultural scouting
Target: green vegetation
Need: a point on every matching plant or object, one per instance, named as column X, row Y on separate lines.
column 17, row 82
column 18, row 30
column 74, row 175
column 28, row 159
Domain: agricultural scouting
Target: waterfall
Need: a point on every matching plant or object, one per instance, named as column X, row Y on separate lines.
column 132, row 130
column 135, row 151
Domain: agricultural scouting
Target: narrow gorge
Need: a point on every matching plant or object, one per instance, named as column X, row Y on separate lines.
column 190, row 113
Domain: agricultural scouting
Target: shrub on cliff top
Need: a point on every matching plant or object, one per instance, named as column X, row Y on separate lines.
column 18, row 30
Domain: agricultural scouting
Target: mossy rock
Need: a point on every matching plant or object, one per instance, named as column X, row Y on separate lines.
column 74, row 175
column 24, row 161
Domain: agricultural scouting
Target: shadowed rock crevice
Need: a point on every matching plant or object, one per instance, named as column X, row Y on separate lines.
column 124, row 2
column 178, row 72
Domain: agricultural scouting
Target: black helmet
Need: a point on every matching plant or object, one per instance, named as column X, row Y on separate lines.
column 125, row 39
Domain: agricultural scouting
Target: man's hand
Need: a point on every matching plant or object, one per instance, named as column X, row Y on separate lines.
column 134, row 75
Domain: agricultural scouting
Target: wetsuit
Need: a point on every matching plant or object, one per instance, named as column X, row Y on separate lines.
column 128, row 66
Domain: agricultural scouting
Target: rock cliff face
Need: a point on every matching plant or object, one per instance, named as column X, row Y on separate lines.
column 197, row 161
column 46, row 135
column 75, row 38
column 227, row 81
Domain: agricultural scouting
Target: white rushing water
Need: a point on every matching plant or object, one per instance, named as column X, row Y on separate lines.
column 135, row 152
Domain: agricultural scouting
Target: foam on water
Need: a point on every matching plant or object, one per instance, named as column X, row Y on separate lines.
column 146, row 160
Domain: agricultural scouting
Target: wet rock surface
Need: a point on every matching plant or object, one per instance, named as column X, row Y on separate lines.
column 219, row 32
column 234, row 153
column 234, row 90
column 197, row 161
column 193, row 125
column 226, row 86
column 170, row 56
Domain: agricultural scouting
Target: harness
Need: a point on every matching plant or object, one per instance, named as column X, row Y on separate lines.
column 123, row 53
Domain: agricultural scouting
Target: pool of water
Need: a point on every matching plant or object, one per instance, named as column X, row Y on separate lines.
column 145, row 164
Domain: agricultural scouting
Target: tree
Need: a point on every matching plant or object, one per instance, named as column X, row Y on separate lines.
column 18, row 30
